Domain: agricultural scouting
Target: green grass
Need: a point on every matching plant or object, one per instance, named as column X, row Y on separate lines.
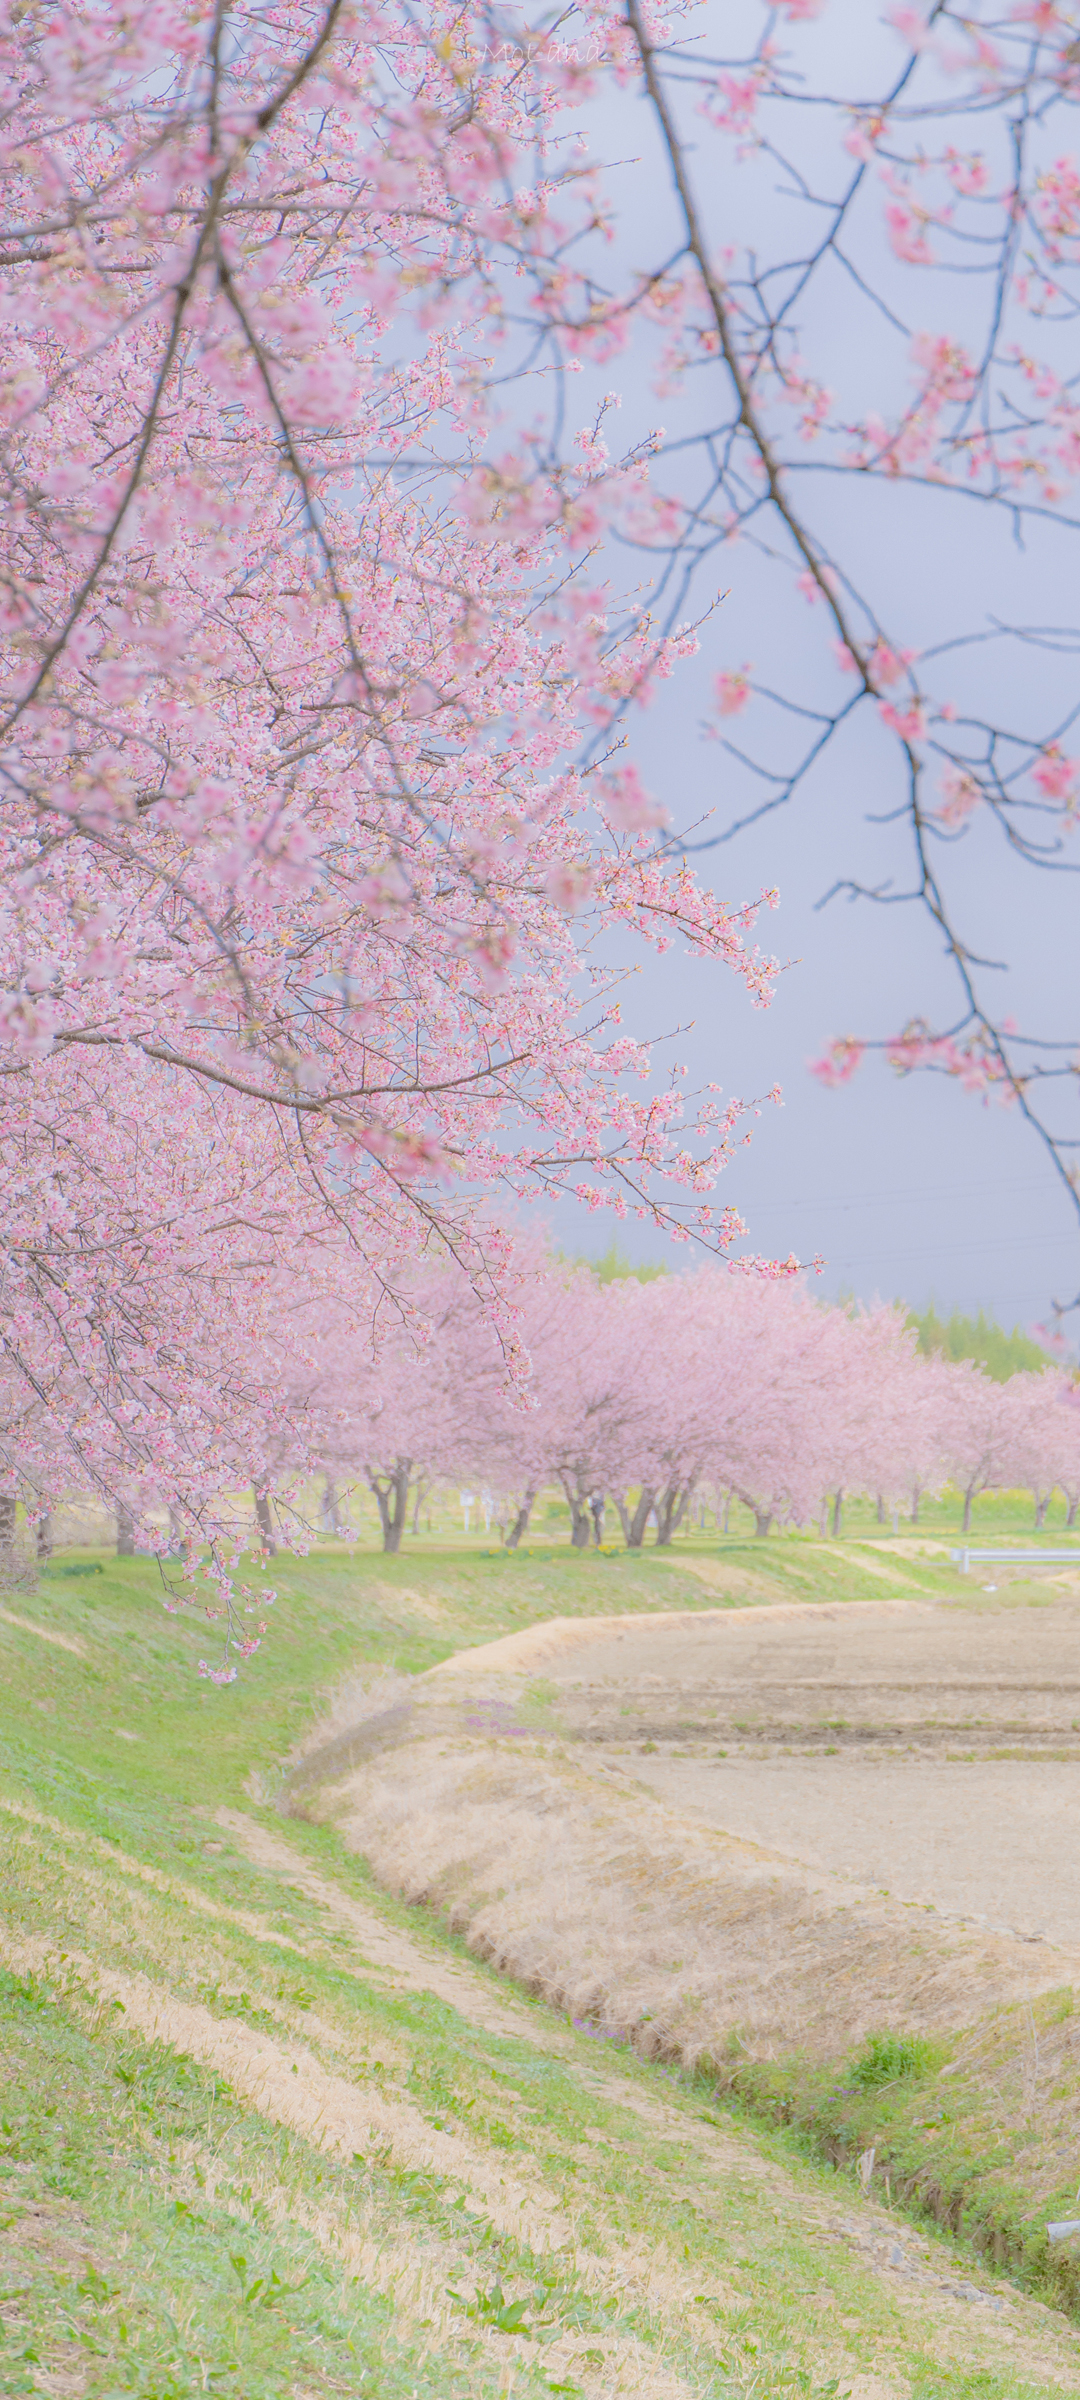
column 137, row 2279
column 168, row 2229
column 892, row 2058
column 953, row 2143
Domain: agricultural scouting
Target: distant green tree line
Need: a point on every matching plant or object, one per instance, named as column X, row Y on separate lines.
column 1001, row 1354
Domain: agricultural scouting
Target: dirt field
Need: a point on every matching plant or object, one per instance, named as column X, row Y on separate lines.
column 997, row 1845
column 743, row 1825
column 932, row 1753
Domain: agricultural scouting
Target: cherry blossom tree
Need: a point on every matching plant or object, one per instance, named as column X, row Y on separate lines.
column 913, row 1422
column 309, row 707
column 642, row 1395
column 981, row 1436
column 764, row 1442
column 386, row 1391
column 326, row 605
column 1046, row 1440
column 1068, row 1450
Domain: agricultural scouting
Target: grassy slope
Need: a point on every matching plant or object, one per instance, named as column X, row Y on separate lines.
column 243, row 2154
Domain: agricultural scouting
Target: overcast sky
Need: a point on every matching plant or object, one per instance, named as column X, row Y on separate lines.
column 908, row 1188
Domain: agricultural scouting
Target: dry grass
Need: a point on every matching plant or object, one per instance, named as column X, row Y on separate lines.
column 351, row 2117
column 59, row 1641
column 363, row 1695
column 376, row 1942
column 313, row 2074
column 537, row 1645
column 301, row 2017
column 612, row 1907
column 109, row 1855
column 692, row 1944
column 347, row 2114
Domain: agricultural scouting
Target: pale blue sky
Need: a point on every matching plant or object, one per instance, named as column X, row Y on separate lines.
column 909, row 1189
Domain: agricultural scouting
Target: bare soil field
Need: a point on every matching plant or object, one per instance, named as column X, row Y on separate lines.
column 933, row 1753
column 997, row 1844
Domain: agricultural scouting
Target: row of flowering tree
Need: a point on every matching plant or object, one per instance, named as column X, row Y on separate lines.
column 314, row 800
column 327, row 598
column 648, row 1399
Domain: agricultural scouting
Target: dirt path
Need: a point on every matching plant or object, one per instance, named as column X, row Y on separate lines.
column 419, row 1966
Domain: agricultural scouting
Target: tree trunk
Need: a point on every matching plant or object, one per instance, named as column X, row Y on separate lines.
column 580, row 1516
column 1042, row 1503
column 968, row 1498
column 392, row 1495
column 1071, row 1517
column 125, row 1533
column 580, row 1525
column 422, row 1489
column 7, row 1531
column 265, row 1523
column 881, row 1508
column 596, row 1512
column 520, row 1526
column 670, row 1511
column 634, row 1521
column 763, row 1519
column 728, row 1498
column 43, row 1541
column 331, row 1508
column 837, row 1507
column 915, row 1499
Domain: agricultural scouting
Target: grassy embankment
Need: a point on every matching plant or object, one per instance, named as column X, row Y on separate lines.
column 262, row 2132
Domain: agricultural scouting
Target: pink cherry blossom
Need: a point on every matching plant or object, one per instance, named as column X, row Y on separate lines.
column 733, row 689
column 907, row 234
column 319, row 704
column 840, row 1062
column 1056, row 775
column 960, row 795
column 910, row 24
column 909, row 722
column 970, row 176
column 887, row 665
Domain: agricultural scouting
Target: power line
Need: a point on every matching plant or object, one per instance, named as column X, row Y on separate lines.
column 1056, row 1241
column 1006, row 1186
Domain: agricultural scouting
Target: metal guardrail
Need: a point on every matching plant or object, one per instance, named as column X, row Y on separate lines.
column 1023, row 1558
